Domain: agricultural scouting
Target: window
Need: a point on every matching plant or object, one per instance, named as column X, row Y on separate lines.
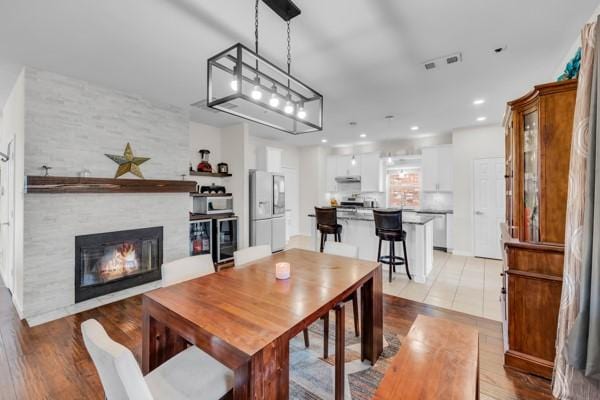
column 404, row 187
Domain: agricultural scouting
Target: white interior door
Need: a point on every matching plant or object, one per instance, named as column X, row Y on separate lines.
column 292, row 201
column 488, row 206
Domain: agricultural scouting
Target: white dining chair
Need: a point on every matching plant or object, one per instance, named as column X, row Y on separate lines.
column 341, row 249
column 249, row 254
column 187, row 268
column 191, row 374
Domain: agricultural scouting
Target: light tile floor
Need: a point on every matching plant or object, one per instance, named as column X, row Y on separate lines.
column 465, row 284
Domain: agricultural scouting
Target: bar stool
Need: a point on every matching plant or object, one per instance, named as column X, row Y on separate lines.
column 327, row 224
column 388, row 227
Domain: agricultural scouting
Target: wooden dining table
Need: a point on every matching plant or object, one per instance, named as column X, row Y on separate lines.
column 245, row 317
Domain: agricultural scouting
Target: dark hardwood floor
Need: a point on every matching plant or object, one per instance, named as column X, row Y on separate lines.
column 50, row 361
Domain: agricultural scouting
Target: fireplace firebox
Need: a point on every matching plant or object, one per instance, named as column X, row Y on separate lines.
column 113, row 261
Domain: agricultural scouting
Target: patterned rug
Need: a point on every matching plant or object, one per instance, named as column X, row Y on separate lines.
column 311, row 376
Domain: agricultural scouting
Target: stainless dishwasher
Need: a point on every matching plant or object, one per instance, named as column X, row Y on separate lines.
column 439, row 230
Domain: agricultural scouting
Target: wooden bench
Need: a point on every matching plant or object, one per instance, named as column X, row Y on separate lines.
column 438, row 359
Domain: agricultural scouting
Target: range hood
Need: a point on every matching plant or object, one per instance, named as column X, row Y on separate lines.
column 348, row 179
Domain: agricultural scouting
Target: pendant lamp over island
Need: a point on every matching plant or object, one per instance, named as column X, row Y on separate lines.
column 244, row 84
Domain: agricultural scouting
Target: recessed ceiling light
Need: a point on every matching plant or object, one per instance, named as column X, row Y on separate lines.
column 363, row 135
column 414, row 128
column 323, row 140
column 481, row 119
column 478, row 102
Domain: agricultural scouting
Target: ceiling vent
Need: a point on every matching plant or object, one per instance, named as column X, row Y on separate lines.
column 202, row 105
column 443, row 61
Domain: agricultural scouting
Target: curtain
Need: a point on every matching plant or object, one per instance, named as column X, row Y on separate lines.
column 577, row 364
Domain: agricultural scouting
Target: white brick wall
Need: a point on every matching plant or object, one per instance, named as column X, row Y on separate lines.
column 69, row 125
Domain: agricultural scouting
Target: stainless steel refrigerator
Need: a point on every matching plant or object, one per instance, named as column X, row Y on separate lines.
column 267, row 210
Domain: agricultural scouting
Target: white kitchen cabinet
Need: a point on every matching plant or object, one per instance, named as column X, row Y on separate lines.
column 429, row 169
column 445, row 170
column 345, row 166
column 331, row 173
column 355, row 168
column 369, row 173
column 269, row 159
column 436, row 169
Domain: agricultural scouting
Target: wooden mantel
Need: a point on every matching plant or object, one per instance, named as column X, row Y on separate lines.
column 70, row 184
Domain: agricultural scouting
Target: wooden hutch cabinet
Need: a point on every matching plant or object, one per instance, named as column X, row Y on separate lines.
column 538, row 144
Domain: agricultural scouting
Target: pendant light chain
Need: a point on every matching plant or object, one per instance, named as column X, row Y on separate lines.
column 289, row 48
column 256, row 33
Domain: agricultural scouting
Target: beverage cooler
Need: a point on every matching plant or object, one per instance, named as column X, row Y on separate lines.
column 200, row 237
column 225, row 238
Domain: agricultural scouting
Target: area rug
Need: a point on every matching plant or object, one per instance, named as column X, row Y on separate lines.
column 312, row 377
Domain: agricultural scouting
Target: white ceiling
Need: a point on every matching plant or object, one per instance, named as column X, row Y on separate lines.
column 363, row 56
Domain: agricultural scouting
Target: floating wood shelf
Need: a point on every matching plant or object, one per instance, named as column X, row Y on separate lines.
column 213, row 174
column 69, row 184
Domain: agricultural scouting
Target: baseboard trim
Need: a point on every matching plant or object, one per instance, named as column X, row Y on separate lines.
column 462, row 253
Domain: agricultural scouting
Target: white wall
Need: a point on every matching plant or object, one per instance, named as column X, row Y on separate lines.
column 469, row 145
column 290, row 157
column 205, row 137
column 312, row 183
column 13, row 128
column 234, row 147
column 571, row 52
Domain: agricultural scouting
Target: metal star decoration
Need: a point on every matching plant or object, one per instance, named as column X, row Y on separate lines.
column 128, row 163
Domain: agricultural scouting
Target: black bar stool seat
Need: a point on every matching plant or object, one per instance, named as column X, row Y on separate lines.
column 330, row 229
column 327, row 224
column 388, row 227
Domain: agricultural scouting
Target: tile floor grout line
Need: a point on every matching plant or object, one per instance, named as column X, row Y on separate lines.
column 459, row 281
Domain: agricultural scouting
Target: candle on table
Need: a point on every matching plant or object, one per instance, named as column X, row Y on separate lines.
column 282, row 270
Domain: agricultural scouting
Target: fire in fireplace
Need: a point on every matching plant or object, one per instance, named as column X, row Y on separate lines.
column 113, row 261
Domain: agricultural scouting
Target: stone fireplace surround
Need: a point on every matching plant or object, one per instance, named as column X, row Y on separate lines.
column 69, row 125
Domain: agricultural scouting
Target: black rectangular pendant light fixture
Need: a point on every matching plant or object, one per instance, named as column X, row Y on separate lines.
column 244, row 84
column 237, row 75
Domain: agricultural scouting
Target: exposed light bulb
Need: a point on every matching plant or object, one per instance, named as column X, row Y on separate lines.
column 301, row 113
column 256, row 93
column 363, row 135
column 478, row 102
column 481, row 119
column 234, row 85
column 353, row 162
column 323, row 140
column 414, row 128
column 274, row 100
column 389, row 159
column 289, row 108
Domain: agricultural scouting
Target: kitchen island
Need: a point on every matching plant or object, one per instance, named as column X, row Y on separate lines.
column 358, row 229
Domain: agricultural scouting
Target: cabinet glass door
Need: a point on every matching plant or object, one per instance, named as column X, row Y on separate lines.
column 227, row 238
column 531, row 177
column 200, row 241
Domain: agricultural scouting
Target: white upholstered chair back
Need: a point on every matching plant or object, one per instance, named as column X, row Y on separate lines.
column 341, row 249
column 187, row 268
column 249, row 254
column 120, row 374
